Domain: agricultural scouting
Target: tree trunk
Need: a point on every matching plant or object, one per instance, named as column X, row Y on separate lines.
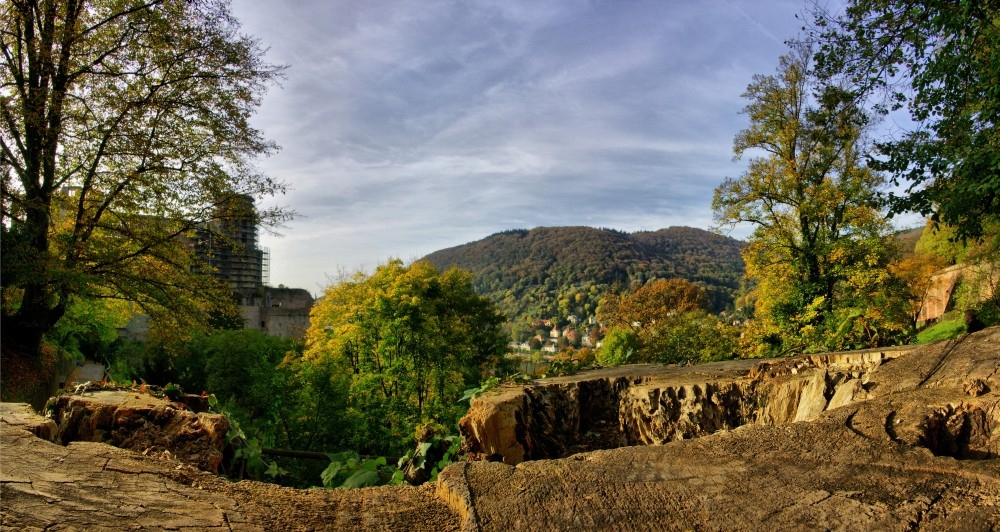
column 41, row 304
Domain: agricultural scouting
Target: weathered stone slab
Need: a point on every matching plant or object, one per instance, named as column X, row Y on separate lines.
column 653, row 404
column 136, row 420
column 903, row 442
column 820, row 475
column 93, row 486
column 21, row 415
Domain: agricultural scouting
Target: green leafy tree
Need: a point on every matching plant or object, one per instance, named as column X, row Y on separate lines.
column 411, row 339
column 89, row 328
column 940, row 61
column 813, row 204
column 695, row 336
column 125, row 125
column 620, row 346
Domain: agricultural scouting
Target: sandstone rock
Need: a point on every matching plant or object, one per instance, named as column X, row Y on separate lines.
column 93, row 486
column 21, row 415
column 898, row 444
column 90, row 486
column 975, row 387
column 811, row 476
column 651, row 405
column 141, row 422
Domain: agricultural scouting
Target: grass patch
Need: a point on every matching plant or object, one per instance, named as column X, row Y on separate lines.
column 944, row 330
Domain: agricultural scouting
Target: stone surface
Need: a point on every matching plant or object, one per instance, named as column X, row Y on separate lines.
column 136, row 420
column 22, row 416
column 93, row 486
column 652, row 405
column 828, row 474
column 910, row 449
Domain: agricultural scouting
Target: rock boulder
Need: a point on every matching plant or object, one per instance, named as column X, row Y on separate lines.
column 139, row 421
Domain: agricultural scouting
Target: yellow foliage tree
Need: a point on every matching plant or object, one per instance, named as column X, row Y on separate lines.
column 411, row 339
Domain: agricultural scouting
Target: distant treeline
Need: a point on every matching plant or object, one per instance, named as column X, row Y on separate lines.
column 555, row 272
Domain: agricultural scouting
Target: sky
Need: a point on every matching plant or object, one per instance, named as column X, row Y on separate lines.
column 409, row 126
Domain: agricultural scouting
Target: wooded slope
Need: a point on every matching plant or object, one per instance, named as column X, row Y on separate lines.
column 551, row 272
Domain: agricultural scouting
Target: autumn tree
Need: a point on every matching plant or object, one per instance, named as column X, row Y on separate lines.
column 125, row 126
column 917, row 272
column 411, row 339
column 819, row 234
column 939, row 61
column 641, row 309
column 666, row 321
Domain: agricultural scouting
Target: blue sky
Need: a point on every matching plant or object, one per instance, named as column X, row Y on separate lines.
column 412, row 126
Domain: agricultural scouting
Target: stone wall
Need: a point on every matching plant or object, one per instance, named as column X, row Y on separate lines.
column 943, row 285
column 277, row 321
column 280, row 312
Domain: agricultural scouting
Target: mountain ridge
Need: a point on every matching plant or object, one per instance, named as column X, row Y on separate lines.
column 555, row 272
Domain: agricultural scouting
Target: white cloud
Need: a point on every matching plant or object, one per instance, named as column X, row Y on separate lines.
column 411, row 126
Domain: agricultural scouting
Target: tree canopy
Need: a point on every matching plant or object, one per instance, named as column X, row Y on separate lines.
column 641, row 309
column 411, row 339
column 819, row 246
column 125, row 126
column 940, row 61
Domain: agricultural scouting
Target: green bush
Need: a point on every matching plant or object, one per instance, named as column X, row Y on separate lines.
column 690, row 337
column 620, row 346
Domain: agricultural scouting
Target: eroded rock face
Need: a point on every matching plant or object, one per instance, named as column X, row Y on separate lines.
column 21, row 415
column 653, row 405
column 853, row 441
column 93, row 486
column 143, row 423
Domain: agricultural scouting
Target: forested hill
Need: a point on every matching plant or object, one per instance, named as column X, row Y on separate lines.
column 553, row 272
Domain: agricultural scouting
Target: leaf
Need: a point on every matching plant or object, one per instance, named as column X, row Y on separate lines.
column 372, row 464
column 330, row 473
column 361, row 479
column 343, row 457
column 423, row 448
column 404, row 459
column 470, row 394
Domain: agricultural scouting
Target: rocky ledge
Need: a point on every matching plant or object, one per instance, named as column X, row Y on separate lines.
column 139, row 421
column 653, row 405
column 878, row 440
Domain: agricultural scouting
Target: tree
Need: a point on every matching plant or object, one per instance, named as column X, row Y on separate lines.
column 620, row 346
column 939, row 60
column 664, row 320
column 811, row 199
column 411, row 339
column 694, row 336
column 125, row 126
column 655, row 301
